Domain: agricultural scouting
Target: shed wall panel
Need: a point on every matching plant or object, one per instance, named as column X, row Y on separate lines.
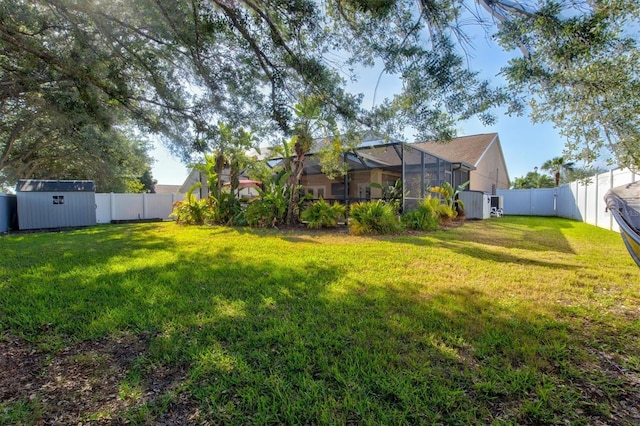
column 37, row 209
column 476, row 204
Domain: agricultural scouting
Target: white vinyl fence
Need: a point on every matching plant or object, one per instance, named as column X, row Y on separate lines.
column 529, row 202
column 573, row 200
column 134, row 206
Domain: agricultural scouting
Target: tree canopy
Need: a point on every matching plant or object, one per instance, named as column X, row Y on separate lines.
column 178, row 68
column 579, row 70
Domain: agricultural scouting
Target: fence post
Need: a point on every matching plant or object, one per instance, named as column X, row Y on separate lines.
column 532, row 208
column 595, row 206
column 112, row 207
column 610, row 187
column 144, row 205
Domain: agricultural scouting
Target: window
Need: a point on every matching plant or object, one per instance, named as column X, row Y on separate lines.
column 315, row 191
column 58, row 199
column 364, row 191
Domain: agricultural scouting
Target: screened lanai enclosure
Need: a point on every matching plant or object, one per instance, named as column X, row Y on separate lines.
column 376, row 166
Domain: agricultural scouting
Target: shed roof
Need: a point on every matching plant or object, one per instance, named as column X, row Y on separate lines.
column 36, row 185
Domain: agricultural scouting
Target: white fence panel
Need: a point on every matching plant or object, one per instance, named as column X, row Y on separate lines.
column 575, row 200
column 160, row 205
column 127, row 207
column 103, row 208
column 591, row 203
column 134, row 206
column 528, row 202
column 585, row 202
column 603, row 183
column 567, row 202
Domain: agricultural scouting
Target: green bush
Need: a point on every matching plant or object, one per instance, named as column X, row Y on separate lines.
column 271, row 208
column 425, row 217
column 321, row 213
column 226, row 209
column 192, row 211
column 263, row 213
column 373, row 217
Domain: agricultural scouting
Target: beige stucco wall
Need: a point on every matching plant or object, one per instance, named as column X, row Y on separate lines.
column 491, row 170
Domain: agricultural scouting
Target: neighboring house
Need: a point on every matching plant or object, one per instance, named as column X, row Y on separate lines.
column 166, row 189
column 483, row 152
column 246, row 187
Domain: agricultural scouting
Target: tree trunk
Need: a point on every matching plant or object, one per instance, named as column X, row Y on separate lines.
column 293, row 215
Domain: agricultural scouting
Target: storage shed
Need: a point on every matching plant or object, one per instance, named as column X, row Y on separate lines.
column 55, row 203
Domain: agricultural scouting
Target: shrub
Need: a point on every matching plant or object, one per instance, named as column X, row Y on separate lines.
column 263, row 213
column 425, row 217
column 271, row 208
column 226, row 209
column 373, row 217
column 321, row 213
column 191, row 211
column 452, row 205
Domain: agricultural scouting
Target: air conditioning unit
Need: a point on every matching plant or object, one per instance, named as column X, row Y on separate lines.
column 497, row 201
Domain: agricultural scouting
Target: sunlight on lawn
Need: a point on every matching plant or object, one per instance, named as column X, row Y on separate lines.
column 513, row 320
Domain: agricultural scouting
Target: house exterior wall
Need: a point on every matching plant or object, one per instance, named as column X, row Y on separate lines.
column 321, row 181
column 37, row 210
column 356, row 179
column 490, row 170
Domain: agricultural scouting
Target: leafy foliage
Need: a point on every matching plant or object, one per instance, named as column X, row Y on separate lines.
column 322, row 214
column 373, row 217
column 533, row 180
column 270, row 209
column 177, row 68
column 391, row 194
column 557, row 167
column 580, row 72
column 192, row 211
column 425, row 217
column 452, row 205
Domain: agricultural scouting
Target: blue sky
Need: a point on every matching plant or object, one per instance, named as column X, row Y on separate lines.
column 525, row 145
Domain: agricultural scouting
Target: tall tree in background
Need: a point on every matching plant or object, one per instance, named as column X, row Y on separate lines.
column 557, row 167
column 532, row 180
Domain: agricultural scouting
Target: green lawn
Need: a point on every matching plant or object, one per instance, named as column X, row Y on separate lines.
column 504, row 321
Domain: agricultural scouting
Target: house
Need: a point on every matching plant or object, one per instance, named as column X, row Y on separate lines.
column 483, row 152
column 379, row 163
column 166, row 189
column 246, row 187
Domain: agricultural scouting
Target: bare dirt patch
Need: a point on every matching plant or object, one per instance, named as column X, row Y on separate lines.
column 92, row 382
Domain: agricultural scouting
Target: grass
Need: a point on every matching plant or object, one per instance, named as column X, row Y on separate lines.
column 505, row 321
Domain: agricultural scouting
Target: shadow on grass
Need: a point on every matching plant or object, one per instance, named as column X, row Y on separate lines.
column 261, row 340
column 498, row 256
column 535, row 234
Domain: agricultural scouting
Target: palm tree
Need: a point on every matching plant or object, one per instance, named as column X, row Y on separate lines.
column 556, row 166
